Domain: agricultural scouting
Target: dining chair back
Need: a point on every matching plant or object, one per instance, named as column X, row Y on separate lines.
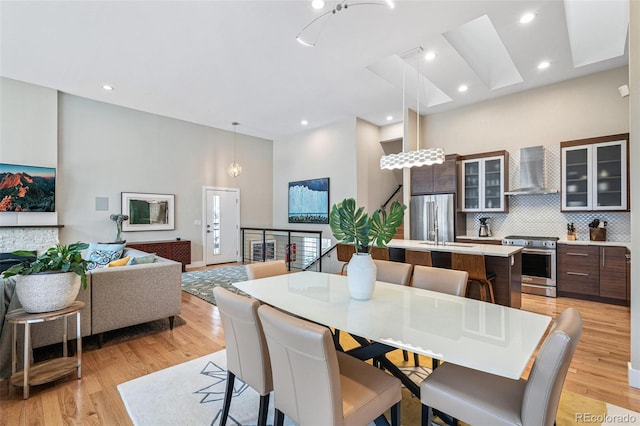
column 266, row 269
column 418, row 257
column 246, row 349
column 393, row 272
column 442, row 280
column 481, row 398
column 316, row 385
column 474, row 264
column 344, row 253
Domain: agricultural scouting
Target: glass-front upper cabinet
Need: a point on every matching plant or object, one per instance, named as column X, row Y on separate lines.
column 483, row 182
column 595, row 174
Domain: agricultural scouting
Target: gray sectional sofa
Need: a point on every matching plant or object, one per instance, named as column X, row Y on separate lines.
column 122, row 296
column 115, row 298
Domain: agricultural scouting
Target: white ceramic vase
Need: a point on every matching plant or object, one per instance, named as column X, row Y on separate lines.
column 47, row 292
column 361, row 276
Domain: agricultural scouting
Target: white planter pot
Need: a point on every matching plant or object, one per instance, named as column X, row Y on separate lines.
column 361, row 276
column 47, row 292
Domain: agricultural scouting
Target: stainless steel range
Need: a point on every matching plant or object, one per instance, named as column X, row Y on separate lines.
column 538, row 263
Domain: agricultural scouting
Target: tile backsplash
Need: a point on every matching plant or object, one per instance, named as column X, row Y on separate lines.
column 540, row 215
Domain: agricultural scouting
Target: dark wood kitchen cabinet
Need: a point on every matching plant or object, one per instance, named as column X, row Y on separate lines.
column 180, row 251
column 613, row 272
column 578, row 270
column 435, row 179
column 593, row 272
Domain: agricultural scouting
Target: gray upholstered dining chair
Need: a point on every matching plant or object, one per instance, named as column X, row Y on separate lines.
column 449, row 281
column 481, row 398
column 393, row 272
column 246, row 348
column 314, row 384
column 266, row 269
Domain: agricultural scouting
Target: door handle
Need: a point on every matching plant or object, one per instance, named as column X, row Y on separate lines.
column 577, row 254
column 581, row 274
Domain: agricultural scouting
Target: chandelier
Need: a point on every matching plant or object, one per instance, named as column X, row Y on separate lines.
column 310, row 34
column 420, row 157
column 234, row 168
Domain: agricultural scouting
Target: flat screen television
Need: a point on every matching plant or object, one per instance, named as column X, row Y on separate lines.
column 309, row 201
column 27, row 188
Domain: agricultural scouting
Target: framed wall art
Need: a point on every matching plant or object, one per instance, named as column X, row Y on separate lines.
column 148, row 212
column 309, row 201
column 27, row 188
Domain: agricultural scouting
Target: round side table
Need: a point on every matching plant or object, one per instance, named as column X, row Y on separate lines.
column 46, row 371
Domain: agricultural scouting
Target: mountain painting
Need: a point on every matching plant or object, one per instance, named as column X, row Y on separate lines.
column 27, row 188
column 309, row 201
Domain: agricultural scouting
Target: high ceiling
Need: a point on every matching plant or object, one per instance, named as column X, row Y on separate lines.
column 215, row 62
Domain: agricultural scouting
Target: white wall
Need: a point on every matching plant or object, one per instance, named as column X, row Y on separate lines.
column 581, row 108
column 634, row 130
column 106, row 149
column 328, row 151
column 28, row 136
column 374, row 185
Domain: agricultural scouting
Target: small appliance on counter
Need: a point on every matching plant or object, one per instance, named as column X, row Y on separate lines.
column 598, row 230
column 485, row 230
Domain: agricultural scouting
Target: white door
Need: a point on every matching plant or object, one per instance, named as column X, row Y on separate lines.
column 222, row 225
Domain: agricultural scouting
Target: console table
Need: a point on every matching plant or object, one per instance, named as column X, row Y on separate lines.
column 178, row 250
column 46, row 371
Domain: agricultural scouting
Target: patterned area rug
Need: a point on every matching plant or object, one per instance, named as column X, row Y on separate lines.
column 202, row 283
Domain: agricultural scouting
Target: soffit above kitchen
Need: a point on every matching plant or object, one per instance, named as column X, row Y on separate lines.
column 215, row 62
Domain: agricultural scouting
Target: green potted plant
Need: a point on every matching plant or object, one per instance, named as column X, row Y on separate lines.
column 49, row 282
column 352, row 225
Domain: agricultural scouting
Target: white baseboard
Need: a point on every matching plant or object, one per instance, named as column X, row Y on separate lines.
column 193, row 265
column 634, row 376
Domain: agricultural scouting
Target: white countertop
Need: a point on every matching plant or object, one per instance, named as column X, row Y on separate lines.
column 479, row 239
column 596, row 243
column 465, row 248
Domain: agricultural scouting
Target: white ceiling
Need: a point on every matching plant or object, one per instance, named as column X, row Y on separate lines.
column 215, row 62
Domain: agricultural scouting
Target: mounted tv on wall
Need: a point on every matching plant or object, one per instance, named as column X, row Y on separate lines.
column 27, row 188
column 309, row 201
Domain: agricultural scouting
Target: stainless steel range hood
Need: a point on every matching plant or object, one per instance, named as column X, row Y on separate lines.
column 532, row 173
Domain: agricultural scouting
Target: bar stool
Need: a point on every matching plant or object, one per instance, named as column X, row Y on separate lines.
column 379, row 253
column 345, row 251
column 418, row 257
column 475, row 266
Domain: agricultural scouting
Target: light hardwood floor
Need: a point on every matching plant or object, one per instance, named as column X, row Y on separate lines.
column 598, row 370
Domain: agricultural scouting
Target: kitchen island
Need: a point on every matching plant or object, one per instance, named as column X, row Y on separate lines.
column 504, row 261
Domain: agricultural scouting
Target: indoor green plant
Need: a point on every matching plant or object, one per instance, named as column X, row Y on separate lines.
column 352, row 225
column 48, row 283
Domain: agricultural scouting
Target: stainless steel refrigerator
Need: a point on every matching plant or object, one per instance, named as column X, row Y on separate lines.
column 426, row 210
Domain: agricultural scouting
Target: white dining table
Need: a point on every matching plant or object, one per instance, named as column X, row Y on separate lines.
column 487, row 337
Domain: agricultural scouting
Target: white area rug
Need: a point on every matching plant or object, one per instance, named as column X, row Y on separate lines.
column 190, row 393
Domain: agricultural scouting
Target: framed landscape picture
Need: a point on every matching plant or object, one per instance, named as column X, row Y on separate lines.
column 27, row 188
column 309, row 201
column 148, row 212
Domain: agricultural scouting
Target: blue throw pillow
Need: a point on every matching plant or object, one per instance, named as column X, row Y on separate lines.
column 100, row 254
column 141, row 260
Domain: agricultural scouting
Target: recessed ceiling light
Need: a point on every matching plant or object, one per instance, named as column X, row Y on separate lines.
column 317, row 4
column 430, row 55
column 389, row 117
column 527, row 17
column 304, row 122
column 463, row 88
column 544, row 65
column 107, row 87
